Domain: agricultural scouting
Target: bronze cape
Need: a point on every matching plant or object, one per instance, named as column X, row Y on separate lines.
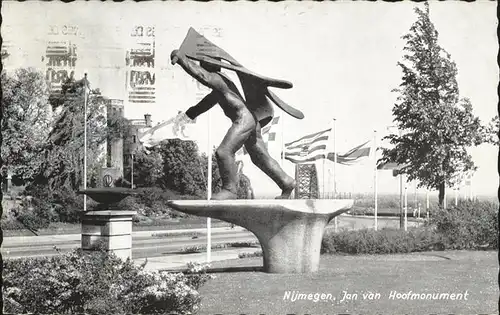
column 258, row 97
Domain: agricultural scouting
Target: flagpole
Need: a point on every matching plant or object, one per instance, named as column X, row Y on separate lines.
column 401, row 202
column 132, row 171
column 334, row 159
column 415, row 198
column 85, row 142
column 282, row 160
column 324, row 164
column 445, row 197
column 209, row 188
column 323, row 173
column 471, row 190
column 427, row 202
column 336, row 222
column 375, row 179
column 464, row 185
column 406, row 206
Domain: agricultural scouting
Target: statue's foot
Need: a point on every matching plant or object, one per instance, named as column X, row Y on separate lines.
column 287, row 190
column 224, row 194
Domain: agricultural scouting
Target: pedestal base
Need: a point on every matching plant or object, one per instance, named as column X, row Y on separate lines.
column 108, row 229
column 289, row 231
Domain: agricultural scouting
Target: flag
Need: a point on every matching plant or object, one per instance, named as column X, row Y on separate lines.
column 173, row 128
column 388, row 166
column 353, row 156
column 395, row 167
column 268, row 134
column 468, row 179
column 308, row 148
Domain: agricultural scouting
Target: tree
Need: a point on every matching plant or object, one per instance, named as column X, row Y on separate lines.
column 27, row 117
column 182, row 167
column 186, row 171
column 492, row 131
column 148, row 168
column 64, row 153
column 436, row 126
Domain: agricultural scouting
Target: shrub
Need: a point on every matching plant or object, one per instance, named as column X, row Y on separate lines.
column 173, row 234
column 253, row 254
column 201, row 248
column 196, row 274
column 244, row 244
column 97, row 283
column 385, row 241
column 155, row 200
column 44, row 206
column 152, row 202
column 34, row 213
column 469, row 225
column 11, row 224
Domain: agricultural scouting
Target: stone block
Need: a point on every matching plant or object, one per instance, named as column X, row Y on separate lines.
column 107, row 228
column 110, row 230
column 109, row 242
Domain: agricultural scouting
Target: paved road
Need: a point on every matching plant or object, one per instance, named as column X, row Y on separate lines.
column 163, row 243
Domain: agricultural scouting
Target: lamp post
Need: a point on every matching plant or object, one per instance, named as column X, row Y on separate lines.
column 85, row 100
column 401, row 199
column 132, row 171
column 375, row 179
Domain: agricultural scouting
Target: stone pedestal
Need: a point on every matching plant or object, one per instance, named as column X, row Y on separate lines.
column 289, row 231
column 108, row 229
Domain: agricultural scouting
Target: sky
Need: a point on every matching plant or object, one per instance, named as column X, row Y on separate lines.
column 340, row 56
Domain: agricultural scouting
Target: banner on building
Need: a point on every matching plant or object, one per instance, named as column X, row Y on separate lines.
column 140, row 65
column 60, row 55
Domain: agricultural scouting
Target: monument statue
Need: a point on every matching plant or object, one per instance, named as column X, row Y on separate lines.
column 203, row 60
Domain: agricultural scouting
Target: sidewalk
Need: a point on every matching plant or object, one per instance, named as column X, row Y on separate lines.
column 176, row 262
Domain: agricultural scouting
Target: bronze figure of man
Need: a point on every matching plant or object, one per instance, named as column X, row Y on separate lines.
column 247, row 119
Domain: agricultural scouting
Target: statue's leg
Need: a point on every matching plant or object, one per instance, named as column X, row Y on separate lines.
column 260, row 157
column 232, row 142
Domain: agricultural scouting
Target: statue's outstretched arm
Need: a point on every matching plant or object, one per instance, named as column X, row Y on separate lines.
column 205, row 104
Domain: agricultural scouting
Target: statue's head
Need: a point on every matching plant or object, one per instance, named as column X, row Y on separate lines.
column 209, row 67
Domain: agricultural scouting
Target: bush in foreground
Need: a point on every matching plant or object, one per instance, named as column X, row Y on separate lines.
column 97, row 283
column 469, row 225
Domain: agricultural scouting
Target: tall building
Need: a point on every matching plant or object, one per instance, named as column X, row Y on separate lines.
column 113, row 169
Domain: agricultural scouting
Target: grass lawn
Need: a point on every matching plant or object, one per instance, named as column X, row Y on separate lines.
column 250, row 292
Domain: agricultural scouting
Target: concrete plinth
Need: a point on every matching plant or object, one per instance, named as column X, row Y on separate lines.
column 108, row 229
column 289, row 231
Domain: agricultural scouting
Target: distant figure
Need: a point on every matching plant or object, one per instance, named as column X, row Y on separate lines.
column 245, row 129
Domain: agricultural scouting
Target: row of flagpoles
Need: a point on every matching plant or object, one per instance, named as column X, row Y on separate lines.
column 86, row 90
column 315, row 146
